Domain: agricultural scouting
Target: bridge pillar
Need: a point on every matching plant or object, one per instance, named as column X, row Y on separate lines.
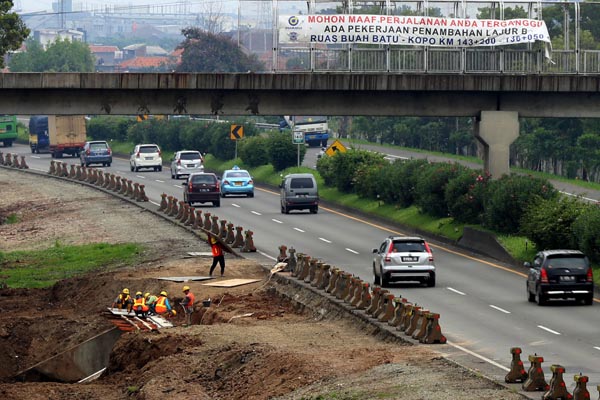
column 496, row 130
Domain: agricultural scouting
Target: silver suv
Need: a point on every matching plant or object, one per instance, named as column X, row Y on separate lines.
column 145, row 156
column 186, row 162
column 401, row 258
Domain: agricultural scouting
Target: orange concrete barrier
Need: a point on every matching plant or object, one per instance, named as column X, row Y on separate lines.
column 180, row 210
column 311, row 268
column 535, row 376
column 84, row 174
column 51, row 170
column 580, row 392
column 381, row 303
column 355, row 287
column 207, row 223
column 100, row 179
column 91, row 175
column 184, row 212
column 163, row 202
column 136, row 189
column 78, row 172
column 333, row 277
column 111, row 185
column 106, row 180
column 239, row 238
column 24, row 163
column 291, row 262
column 8, row 160
column 249, row 243
column 169, row 205
column 375, row 295
column 223, row 229
column 318, row 275
column 16, row 163
column 198, row 220
column 300, row 263
column 72, row 173
column 347, row 287
column 174, row 208
column 341, row 285
column 64, row 170
column 324, row 281
column 129, row 188
column 406, row 317
column 365, row 297
column 421, row 329
column 388, row 311
column 142, row 195
column 1, row 158
column 230, row 236
column 558, row 389
column 214, row 225
column 282, row 253
column 191, row 217
column 517, row 373
column 415, row 318
column 433, row 332
column 399, row 303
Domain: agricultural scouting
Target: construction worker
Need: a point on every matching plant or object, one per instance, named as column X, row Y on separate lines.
column 139, row 305
column 217, row 254
column 188, row 305
column 163, row 306
column 123, row 301
column 150, row 302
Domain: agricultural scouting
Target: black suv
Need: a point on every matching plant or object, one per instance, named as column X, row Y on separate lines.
column 560, row 274
column 202, row 187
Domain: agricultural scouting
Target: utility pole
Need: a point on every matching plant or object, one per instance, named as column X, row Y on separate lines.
column 62, row 15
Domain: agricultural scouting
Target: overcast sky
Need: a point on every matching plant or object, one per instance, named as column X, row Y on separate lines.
column 41, row 5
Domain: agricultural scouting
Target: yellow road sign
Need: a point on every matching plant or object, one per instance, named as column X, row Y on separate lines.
column 236, row 132
column 335, row 147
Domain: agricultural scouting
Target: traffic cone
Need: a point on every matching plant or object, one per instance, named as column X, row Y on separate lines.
column 581, row 392
column 163, row 202
column 433, row 332
column 365, row 297
column 207, row 223
column 517, row 373
column 535, row 376
column 558, row 389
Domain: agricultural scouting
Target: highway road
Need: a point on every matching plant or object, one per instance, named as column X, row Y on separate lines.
column 483, row 307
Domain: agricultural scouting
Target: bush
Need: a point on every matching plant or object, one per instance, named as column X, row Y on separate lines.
column 367, row 178
column 109, row 128
column 253, row 151
column 508, row 198
column 405, row 181
column 586, row 233
column 549, row 222
column 347, row 164
column 283, row 153
column 464, row 196
column 431, row 186
column 326, row 168
column 221, row 145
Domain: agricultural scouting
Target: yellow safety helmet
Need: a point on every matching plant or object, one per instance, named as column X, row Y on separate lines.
column 174, row 312
column 126, row 291
column 138, row 293
column 147, row 294
column 186, row 288
column 213, row 240
column 163, row 293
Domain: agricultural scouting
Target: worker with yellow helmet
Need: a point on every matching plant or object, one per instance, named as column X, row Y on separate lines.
column 123, row 301
column 162, row 304
column 150, row 300
column 188, row 305
column 139, row 305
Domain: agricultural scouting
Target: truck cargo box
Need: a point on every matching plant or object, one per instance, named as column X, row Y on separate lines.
column 67, row 134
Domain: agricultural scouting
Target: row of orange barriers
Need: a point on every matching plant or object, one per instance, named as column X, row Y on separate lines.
column 415, row 321
column 210, row 224
column 534, row 380
column 12, row 160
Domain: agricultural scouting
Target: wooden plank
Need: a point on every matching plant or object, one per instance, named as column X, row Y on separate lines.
column 184, row 278
column 231, row 282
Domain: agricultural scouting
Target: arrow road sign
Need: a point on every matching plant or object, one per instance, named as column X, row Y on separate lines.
column 236, row 132
column 335, row 147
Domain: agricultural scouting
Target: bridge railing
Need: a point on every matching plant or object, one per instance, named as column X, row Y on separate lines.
column 437, row 60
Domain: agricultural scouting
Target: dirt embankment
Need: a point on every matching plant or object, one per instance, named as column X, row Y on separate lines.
column 252, row 343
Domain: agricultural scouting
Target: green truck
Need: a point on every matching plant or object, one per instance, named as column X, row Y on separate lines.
column 8, row 129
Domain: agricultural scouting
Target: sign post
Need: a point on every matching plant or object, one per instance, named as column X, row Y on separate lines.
column 236, row 132
column 298, row 139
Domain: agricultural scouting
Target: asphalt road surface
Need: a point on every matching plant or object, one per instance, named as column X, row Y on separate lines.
column 483, row 306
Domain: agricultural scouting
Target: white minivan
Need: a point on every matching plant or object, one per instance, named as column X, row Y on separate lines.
column 299, row 192
column 145, row 156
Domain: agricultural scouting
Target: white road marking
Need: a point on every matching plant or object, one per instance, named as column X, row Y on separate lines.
column 176, row 186
column 235, row 205
column 140, row 176
column 37, row 169
column 548, row 329
column 255, row 213
column 597, row 348
column 500, row 309
column 299, row 230
column 456, row 291
column 352, row 251
column 38, row 157
column 276, row 220
column 325, row 240
column 478, row 356
column 268, row 256
column 156, row 204
column 576, row 195
column 158, row 180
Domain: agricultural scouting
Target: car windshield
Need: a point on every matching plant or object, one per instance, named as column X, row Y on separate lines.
column 571, row 262
column 301, row 183
column 189, row 156
column 408, row 247
column 203, row 179
column 148, row 149
column 238, row 174
column 98, row 146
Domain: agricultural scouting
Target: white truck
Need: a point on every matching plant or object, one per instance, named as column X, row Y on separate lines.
column 314, row 128
column 67, row 134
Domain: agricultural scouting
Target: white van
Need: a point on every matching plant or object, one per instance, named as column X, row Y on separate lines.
column 299, row 192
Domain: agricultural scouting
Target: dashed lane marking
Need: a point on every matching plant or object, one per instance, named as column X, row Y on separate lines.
column 352, row 251
column 456, row 291
column 276, row 220
column 325, row 240
column 499, row 309
column 255, row 213
column 548, row 329
column 299, row 230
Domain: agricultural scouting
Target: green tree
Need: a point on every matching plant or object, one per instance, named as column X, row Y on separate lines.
column 283, row 153
column 60, row 56
column 12, row 30
column 207, row 52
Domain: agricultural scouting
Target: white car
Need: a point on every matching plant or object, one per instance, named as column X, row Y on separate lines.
column 145, row 156
column 186, row 162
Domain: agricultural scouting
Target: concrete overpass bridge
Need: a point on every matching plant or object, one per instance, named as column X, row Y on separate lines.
column 495, row 101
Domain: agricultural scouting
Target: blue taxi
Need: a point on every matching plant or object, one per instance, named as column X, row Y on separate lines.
column 237, row 181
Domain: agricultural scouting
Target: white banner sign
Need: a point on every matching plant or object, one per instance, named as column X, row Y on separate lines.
column 409, row 30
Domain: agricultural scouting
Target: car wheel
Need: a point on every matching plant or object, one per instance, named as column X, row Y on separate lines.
column 223, row 194
column 217, row 203
column 540, row 298
column 87, row 164
column 82, row 163
column 108, row 164
column 385, row 282
column 530, row 296
column 431, row 280
column 160, row 168
column 131, row 167
column 589, row 300
column 376, row 280
column 314, row 210
column 282, row 210
column 286, row 209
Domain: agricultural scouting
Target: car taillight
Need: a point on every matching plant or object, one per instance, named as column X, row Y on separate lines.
column 159, row 153
column 137, row 155
column 427, row 249
column 387, row 257
column 544, row 275
column 87, row 152
column 218, row 186
column 590, row 275
column 109, row 152
column 250, row 182
column 226, row 182
column 190, row 186
column 178, row 161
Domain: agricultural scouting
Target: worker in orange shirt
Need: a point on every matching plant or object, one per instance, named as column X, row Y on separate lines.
column 139, row 305
column 163, row 306
column 217, row 253
column 188, row 305
column 123, row 301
